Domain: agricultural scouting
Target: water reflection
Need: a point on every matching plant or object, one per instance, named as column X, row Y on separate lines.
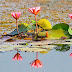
column 17, row 56
column 62, row 47
column 37, row 62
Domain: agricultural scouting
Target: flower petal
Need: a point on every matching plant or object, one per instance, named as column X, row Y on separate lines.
column 71, row 54
column 70, row 15
column 13, row 14
column 16, row 15
column 35, row 10
column 36, row 63
column 15, row 57
column 20, row 58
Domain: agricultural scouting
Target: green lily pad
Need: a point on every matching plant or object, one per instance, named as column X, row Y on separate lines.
column 45, row 24
column 53, row 34
column 70, row 30
column 63, row 26
column 31, row 27
column 21, row 28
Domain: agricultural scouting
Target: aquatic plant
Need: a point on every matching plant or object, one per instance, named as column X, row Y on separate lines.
column 45, row 24
column 70, row 28
column 22, row 28
column 70, row 15
column 36, row 63
column 35, row 10
column 16, row 15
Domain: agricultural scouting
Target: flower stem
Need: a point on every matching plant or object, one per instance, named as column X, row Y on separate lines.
column 36, row 23
column 37, row 55
column 17, row 50
column 17, row 26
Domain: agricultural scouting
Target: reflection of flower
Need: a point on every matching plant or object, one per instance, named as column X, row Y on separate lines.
column 35, row 10
column 71, row 54
column 70, row 15
column 16, row 15
column 17, row 57
column 36, row 63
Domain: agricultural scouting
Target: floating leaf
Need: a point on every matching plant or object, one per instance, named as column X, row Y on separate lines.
column 61, row 26
column 45, row 24
column 21, row 28
column 70, row 30
column 25, row 24
column 31, row 27
column 53, row 34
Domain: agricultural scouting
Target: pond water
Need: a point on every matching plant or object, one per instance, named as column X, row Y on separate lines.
column 52, row 61
column 53, row 10
column 54, row 54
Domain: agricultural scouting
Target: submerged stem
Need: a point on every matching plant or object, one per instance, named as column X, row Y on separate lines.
column 17, row 26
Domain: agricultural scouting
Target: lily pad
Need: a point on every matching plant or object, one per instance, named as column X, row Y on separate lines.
column 45, row 24
column 63, row 26
column 21, row 28
column 53, row 34
column 70, row 30
column 31, row 27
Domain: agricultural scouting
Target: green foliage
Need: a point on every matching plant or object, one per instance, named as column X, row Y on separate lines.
column 25, row 24
column 32, row 26
column 45, row 24
column 62, row 47
column 53, row 34
column 61, row 26
column 21, row 28
column 67, row 33
column 70, row 30
column 34, row 22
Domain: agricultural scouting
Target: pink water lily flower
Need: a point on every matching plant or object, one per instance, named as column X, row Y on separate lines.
column 17, row 57
column 35, row 10
column 70, row 15
column 16, row 15
column 71, row 54
column 36, row 63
